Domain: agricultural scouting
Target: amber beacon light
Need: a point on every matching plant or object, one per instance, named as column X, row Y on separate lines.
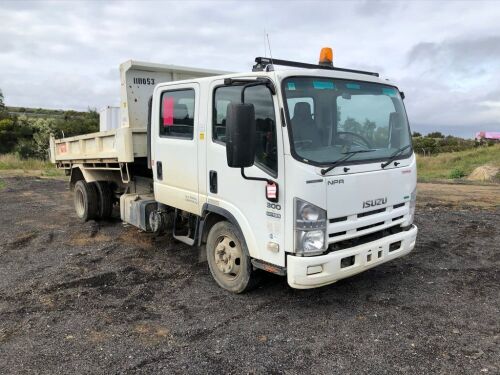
column 326, row 56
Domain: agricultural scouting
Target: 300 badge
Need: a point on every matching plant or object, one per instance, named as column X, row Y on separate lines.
column 274, row 206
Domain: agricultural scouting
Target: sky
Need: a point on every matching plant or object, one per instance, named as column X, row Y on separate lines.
column 444, row 55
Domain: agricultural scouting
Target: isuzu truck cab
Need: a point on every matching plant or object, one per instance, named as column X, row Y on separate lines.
column 306, row 171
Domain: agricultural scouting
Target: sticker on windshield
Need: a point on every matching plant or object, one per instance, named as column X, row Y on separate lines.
column 388, row 91
column 291, row 86
column 323, row 85
column 353, row 86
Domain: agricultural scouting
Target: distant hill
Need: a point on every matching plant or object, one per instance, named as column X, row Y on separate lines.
column 38, row 112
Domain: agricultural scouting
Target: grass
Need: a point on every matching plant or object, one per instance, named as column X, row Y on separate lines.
column 13, row 162
column 2, row 184
column 455, row 165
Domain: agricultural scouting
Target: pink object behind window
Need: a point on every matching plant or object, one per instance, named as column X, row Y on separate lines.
column 168, row 111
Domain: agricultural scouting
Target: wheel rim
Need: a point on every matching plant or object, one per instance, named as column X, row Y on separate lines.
column 228, row 257
column 79, row 203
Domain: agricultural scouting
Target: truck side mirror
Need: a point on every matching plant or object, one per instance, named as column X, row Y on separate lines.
column 240, row 135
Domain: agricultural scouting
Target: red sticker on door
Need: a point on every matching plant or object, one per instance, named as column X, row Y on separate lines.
column 168, row 111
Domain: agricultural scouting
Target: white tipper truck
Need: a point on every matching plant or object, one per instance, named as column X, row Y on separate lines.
column 306, row 171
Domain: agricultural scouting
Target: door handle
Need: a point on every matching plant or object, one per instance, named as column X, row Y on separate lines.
column 159, row 170
column 213, row 182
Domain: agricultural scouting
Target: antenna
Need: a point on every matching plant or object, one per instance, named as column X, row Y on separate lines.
column 265, row 47
column 270, row 53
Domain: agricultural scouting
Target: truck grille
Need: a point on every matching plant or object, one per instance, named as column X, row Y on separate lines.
column 363, row 223
column 346, row 244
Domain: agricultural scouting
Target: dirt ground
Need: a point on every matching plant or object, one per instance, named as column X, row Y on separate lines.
column 103, row 298
column 459, row 196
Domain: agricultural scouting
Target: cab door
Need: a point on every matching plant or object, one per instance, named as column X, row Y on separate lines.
column 261, row 221
column 175, row 148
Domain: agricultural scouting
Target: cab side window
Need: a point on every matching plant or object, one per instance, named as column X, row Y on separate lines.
column 260, row 96
column 177, row 114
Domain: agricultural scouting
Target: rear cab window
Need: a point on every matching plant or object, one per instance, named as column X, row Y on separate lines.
column 177, row 114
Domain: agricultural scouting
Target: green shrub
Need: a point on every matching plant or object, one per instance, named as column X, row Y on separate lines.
column 434, row 146
column 25, row 149
column 457, row 173
column 435, row 135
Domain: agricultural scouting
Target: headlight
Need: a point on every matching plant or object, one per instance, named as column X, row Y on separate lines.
column 308, row 212
column 308, row 216
column 310, row 228
column 313, row 240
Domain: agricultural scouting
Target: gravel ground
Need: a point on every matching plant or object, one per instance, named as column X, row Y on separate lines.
column 104, row 298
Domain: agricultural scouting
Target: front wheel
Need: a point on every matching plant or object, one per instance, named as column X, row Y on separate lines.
column 228, row 258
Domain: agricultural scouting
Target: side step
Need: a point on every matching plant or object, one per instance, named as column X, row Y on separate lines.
column 188, row 240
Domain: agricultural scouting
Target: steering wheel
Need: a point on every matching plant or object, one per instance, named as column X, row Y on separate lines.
column 366, row 142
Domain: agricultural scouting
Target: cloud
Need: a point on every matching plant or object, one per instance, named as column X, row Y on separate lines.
column 444, row 55
column 457, row 81
column 374, row 8
column 476, row 55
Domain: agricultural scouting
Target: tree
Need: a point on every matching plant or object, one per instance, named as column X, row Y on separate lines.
column 369, row 128
column 42, row 128
column 381, row 137
column 2, row 105
column 435, row 135
column 416, row 135
column 8, row 138
column 3, row 110
column 351, row 125
column 77, row 123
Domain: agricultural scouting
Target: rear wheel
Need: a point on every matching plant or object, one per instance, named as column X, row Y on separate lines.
column 105, row 196
column 86, row 201
column 228, row 258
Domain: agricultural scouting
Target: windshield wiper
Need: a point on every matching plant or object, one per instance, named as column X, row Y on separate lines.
column 394, row 155
column 348, row 155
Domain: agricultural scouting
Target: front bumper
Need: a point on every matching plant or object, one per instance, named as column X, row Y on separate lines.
column 312, row 272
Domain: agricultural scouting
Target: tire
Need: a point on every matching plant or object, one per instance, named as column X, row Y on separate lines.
column 228, row 258
column 86, row 201
column 105, row 198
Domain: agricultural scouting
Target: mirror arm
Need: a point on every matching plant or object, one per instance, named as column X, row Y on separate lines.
column 254, row 178
column 270, row 85
column 252, row 84
column 272, row 189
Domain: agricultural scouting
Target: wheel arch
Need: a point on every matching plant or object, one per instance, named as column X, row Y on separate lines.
column 75, row 176
column 79, row 172
column 211, row 215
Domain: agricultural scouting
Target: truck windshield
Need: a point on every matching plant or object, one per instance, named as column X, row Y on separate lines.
column 330, row 117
